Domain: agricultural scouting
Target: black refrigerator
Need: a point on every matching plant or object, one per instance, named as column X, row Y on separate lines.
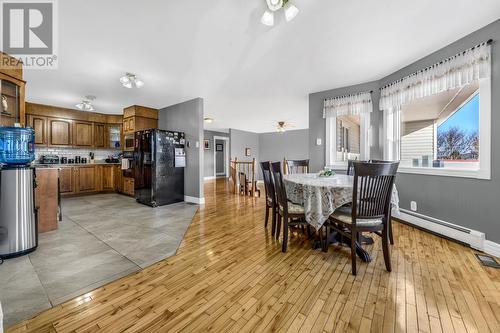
column 159, row 161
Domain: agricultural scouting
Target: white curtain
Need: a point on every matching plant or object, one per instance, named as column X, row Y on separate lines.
column 351, row 104
column 459, row 70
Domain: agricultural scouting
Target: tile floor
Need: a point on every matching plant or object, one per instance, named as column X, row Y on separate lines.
column 101, row 238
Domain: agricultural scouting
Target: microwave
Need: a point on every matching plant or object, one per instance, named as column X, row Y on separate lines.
column 129, row 141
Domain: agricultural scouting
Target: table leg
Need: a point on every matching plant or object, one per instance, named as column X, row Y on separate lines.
column 336, row 237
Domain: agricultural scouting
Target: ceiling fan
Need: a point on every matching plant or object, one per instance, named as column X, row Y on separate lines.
column 282, row 126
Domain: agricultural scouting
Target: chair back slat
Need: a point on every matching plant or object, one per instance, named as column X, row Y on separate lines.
column 296, row 166
column 279, row 186
column 268, row 182
column 372, row 190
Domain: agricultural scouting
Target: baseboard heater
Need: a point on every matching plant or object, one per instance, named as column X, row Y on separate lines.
column 473, row 238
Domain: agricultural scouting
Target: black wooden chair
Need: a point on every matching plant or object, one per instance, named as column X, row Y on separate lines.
column 292, row 214
column 295, row 166
column 270, row 195
column 350, row 167
column 371, row 204
column 391, row 236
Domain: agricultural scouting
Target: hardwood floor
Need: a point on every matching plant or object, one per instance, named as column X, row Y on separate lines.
column 230, row 275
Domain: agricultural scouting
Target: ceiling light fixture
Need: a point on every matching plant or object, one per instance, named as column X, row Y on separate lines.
column 130, row 81
column 208, row 120
column 281, row 126
column 86, row 104
column 274, row 5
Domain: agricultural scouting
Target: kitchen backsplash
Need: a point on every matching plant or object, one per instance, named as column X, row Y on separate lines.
column 99, row 154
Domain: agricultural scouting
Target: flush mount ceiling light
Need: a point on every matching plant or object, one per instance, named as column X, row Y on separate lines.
column 86, row 104
column 130, row 81
column 274, row 5
column 208, row 120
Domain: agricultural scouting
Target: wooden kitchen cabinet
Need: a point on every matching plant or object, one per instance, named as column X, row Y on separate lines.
column 83, row 134
column 128, row 186
column 39, row 124
column 108, row 179
column 86, row 179
column 114, row 136
column 100, row 135
column 60, row 131
column 66, row 180
column 118, row 175
column 12, row 90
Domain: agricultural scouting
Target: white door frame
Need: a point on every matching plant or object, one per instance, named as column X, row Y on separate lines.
column 226, row 156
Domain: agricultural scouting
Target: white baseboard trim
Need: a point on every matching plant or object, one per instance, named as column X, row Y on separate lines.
column 492, row 248
column 199, row 201
column 475, row 239
column 209, row 178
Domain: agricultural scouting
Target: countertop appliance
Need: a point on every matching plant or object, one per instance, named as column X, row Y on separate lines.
column 18, row 217
column 159, row 161
column 49, row 159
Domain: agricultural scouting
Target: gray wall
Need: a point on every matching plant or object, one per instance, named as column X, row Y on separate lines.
column 209, row 153
column 188, row 118
column 317, row 125
column 239, row 140
column 468, row 202
column 294, row 145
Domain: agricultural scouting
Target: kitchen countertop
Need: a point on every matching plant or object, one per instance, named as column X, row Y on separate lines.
column 59, row 165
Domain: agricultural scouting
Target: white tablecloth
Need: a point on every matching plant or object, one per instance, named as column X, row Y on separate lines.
column 321, row 196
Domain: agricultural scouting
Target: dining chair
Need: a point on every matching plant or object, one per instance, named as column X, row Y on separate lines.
column 350, row 167
column 270, row 195
column 371, row 202
column 292, row 214
column 389, row 222
column 295, row 166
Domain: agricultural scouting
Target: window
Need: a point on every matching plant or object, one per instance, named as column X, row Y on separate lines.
column 443, row 134
column 347, row 139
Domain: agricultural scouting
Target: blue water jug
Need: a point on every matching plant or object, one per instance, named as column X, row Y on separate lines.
column 17, row 145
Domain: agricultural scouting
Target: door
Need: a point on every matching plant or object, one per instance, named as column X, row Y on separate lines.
column 66, row 180
column 108, row 180
column 83, row 134
column 86, row 179
column 143, row 165
column 59, row 132
column 114, row 136
column 100, row 135
column 39, row 124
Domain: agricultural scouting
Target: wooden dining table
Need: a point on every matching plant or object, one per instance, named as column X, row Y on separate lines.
column 321, row 196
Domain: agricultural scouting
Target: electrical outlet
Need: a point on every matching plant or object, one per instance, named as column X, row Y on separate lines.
column 413, row 206
column 318, row 142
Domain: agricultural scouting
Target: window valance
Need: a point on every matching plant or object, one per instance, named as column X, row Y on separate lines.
column 459, row 70
column 350, row 104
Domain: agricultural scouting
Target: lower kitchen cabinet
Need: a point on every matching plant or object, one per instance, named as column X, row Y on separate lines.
column 66, row 180
column 88, row 178
column 128, row 186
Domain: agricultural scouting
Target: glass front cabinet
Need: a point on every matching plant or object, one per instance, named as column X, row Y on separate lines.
column 12, row 108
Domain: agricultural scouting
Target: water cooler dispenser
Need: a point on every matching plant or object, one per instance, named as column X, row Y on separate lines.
column 18, row 218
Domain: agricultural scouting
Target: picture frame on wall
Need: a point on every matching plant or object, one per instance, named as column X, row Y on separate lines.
column 248, row 152
column 206, row 144
column 219, row 147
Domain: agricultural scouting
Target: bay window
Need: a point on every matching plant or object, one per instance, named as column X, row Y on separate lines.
column 437, row 121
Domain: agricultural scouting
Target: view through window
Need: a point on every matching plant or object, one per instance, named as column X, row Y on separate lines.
column 442, row 131
column 348, row 137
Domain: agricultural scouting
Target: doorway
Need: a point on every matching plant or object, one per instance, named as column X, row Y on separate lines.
column 221, row 157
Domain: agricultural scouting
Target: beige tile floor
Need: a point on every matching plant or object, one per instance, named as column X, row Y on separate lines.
column 101, row 238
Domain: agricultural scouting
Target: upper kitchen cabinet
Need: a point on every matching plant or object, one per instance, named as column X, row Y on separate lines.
column 100, row 135
column 61, row 127
column 59, row 132
column 138, row 118
column 12, row 87
column 39, row 124
column 83, row 134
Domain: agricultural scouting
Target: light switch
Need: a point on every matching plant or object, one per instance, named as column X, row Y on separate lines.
column 318, row 142
column 197, row 144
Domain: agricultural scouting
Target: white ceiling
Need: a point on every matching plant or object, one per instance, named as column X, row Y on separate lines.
column 250, row 75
